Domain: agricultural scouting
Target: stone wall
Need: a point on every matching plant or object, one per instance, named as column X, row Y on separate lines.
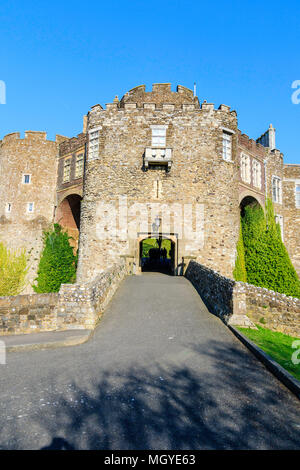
column 81, row 305
column 28, row 313
column 243, row 304
column 269, row 309
column 76, row 306
column 215, row 290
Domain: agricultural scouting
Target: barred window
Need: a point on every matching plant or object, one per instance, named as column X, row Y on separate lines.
column 227, row 146
column 298, row 195
column 94, row 145
column 256, row 170
column 79, row 166
column 159, row 136
column 67, row 170
column 245, row 168
column 276, row 189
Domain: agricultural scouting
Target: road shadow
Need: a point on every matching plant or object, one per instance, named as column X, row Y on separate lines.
column 233, row 404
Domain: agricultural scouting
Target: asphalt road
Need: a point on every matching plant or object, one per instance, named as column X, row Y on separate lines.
column 159, row 373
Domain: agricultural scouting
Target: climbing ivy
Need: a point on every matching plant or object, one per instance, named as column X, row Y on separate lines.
column 239, row 272
column 266, row 258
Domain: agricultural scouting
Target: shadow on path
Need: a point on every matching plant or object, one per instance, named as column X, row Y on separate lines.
column 180, row 407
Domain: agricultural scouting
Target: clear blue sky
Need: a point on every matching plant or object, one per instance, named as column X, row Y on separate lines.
column 59, row 58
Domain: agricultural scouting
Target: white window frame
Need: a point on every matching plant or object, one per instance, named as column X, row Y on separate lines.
column 8, row 207
column 245, row 168
column 227, row 146
column 297, row 195
column 276, row 189
column 28, row 207
column 67, row 164
column 256, row 173
column 81, row 161
column 24, row 176
column 159, row 136
column 279, row 220
column 94, row 135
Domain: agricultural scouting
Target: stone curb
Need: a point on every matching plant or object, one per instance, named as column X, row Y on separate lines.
column 285, row 377
column 72, row 341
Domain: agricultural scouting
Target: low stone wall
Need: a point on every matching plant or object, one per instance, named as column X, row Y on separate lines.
column 76, row 306
column 215, row 290
column 242, row 304
column 28, row 313
column 81, row 305
column 267, row 308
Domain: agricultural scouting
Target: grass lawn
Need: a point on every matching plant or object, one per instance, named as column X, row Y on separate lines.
column 277, row 345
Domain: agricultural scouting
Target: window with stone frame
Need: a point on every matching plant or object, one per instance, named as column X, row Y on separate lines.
column 67, row 170
column 245, row 168
column 298, row 196
column 256, row 173
column 8, row 207
column 279, row 220
column 276, row 189
column 93, row 144
column 159, row 135
column 79, row 166
column 227, row 146
column 26, row 179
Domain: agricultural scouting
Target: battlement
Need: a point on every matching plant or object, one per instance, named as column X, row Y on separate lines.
column 72, row 144
column 29, row 137
column 160, row 94
column 251, row 145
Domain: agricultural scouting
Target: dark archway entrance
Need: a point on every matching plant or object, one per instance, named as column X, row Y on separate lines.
column 68, row 216
column 157, row 255
column 248, row 201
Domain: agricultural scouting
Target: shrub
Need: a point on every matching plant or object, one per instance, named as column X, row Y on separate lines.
column 239, row 272
column 58, row 263
column 266, row 258
column 13, row 270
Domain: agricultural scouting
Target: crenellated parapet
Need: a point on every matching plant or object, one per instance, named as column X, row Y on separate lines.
column 72, row 144
column 30, row 138
column 251, row 145
column 161, row 94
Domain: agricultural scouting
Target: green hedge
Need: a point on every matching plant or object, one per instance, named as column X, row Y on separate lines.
column 266, row 258
column 58, row 263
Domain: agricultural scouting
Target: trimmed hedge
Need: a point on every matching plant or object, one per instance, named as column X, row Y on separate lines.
column 266, row 258
column 58, row 263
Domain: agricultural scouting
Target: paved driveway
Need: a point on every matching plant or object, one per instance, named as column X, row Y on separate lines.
column 159, row 373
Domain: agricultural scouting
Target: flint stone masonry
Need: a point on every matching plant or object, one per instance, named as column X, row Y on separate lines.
column 81, row 305
column 242, row 304
column 74, row 307
column 28, row 313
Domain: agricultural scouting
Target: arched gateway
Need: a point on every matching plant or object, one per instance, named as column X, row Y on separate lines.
column 157, row 254
column 68, row 216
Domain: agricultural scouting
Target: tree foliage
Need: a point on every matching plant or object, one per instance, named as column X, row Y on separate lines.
column 13, row 270
column 58, row 263
column 266, row 258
